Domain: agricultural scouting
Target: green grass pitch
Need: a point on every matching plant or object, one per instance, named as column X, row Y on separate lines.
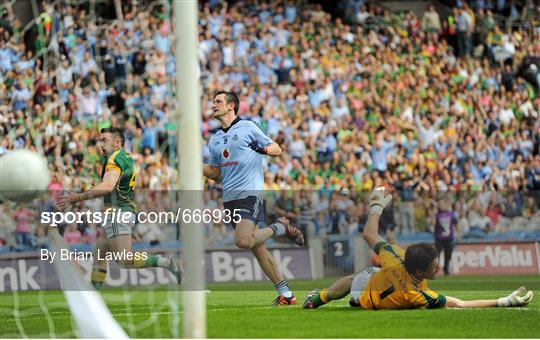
column 245, row 311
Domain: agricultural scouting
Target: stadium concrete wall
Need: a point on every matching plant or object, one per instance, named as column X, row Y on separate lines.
column 32, row 272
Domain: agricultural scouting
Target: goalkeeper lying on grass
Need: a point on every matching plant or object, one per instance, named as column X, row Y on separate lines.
column 401, row 282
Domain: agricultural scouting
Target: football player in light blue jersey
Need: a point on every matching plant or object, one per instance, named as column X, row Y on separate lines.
column 237, row 152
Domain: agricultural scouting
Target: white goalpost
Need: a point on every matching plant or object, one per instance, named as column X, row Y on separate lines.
column 154, row 307
column 190, row 164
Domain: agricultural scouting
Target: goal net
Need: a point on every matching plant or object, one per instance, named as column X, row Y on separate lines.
column 106, row 64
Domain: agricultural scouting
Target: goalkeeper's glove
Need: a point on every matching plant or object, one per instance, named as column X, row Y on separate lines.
column 516, row 298
column 258, row 147
column 378, row 201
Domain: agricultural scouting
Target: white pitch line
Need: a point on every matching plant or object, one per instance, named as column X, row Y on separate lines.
column 481, row 308
column 68, row 314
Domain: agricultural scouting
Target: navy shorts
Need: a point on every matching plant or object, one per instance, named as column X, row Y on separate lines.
column 251, row 208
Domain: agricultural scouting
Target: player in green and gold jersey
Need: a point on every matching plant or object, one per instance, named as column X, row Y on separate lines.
column 401, row 282
column 117, row 189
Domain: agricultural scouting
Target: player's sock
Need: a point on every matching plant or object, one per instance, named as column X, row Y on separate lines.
column 320, row 299
column 163, row 262
column 151, row 261
column 283, row 289
column 278, row 228
column 98, row 277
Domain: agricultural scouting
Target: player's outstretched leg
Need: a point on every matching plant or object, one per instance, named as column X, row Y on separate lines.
column 122, row 243
column 176, row 269
column 286, row 296
column 336, row 291
column 99, row 268
column 159, row 261
column 270, row 267
column 282, row 227
column 354, row 284
column 313, row 300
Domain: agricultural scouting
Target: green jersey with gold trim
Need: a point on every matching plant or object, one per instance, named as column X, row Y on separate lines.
column 122, row 196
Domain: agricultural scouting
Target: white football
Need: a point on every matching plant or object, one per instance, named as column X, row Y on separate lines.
column 24, row 175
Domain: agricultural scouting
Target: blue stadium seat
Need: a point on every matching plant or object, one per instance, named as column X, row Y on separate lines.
column 4, row 250
column 23, row 248
column 82, row 247
column 495, row 236
column 170, row 244
column 141, row 246
column 475, row 233
column 423, row 236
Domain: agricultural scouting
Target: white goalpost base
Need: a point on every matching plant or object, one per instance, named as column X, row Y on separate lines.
column 188, row 114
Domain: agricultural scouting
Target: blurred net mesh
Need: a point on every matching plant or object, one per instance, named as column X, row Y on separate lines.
column 80, row 33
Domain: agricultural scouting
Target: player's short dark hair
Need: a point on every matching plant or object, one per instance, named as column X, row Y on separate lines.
column 419, row 256
column 119, row 133
column 230, row 97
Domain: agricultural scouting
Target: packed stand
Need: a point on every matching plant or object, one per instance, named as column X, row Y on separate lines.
column 419, row 104
column 67, row 77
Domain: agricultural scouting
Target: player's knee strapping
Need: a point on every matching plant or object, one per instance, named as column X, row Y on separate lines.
column 97, row 278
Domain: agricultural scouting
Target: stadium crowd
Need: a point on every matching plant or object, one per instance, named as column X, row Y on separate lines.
column 427, row 106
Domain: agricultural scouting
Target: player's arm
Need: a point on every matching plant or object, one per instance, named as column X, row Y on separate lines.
column 262, row 144
column 371, row 230
column 452, row 302
column 377, row 202
column 211, row 172
column 519, row 297
column 272, row 149
column 104, row 188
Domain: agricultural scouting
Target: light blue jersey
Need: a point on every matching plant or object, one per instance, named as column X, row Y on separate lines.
column 241, row 168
